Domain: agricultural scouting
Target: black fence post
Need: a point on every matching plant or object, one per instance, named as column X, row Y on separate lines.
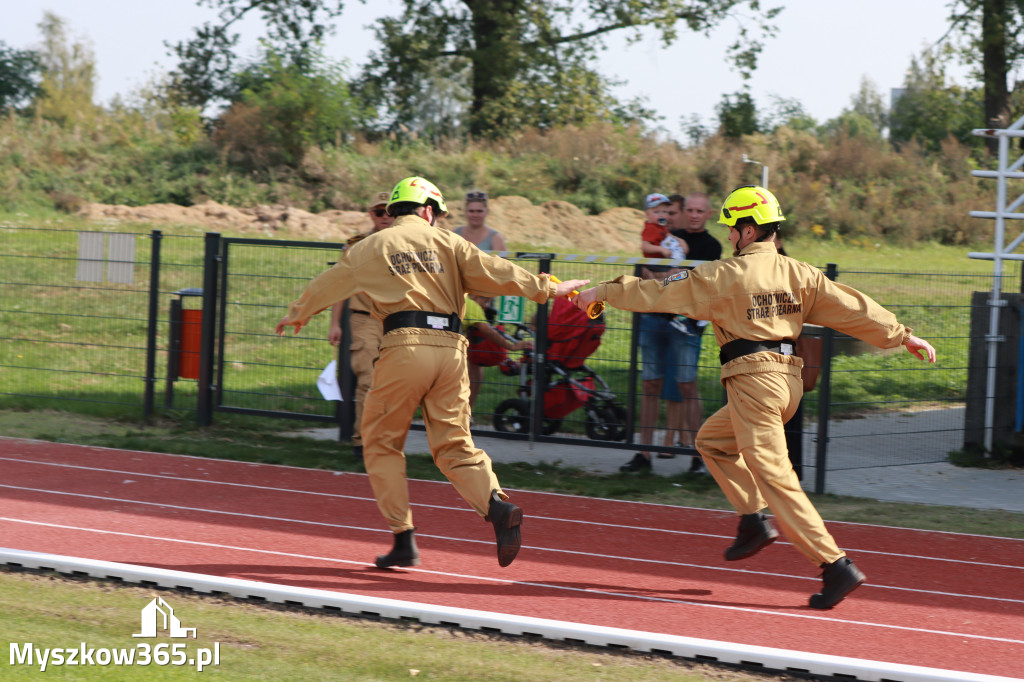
column 156, row 237
column 211, row 264
column 634, row 346
column 824, row 397
column 540, row 350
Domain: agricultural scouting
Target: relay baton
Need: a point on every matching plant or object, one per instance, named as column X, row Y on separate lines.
column 594, row 310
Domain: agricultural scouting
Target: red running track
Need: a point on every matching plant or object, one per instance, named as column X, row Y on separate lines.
column 938, row 600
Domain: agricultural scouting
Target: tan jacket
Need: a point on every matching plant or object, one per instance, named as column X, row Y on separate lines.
column 360, row 301
column 761, row 296
column 413, row 265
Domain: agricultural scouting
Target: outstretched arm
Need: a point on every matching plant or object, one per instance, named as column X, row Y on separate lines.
column 567, row 287
column 915, row 345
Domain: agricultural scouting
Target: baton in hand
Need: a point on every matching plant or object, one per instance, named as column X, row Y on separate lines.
column 594, row 310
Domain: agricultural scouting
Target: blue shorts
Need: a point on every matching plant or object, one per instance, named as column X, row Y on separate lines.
column 668, row 354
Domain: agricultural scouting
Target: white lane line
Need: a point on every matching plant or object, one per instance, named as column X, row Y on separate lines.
column 855, row 550
column 589, row 592
column 626, row 559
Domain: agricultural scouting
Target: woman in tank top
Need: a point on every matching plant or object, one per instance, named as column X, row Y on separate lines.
column 475, row 230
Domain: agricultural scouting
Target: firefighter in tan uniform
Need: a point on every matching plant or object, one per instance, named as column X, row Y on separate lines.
column 417, row 275
column 758, row 302
column 366, row 331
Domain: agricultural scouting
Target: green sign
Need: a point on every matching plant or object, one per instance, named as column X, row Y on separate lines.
column 510, row 308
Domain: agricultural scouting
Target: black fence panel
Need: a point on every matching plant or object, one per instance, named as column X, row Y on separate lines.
column 257, row 371
column 105, row 322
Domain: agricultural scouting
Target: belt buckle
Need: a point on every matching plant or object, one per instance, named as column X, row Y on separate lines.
column 438, row 322
column 786, row 348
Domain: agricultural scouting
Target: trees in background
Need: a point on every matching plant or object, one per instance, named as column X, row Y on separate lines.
column 498, row 65
column 930, row 109
column 280, row 108
column 207, row 61
column 68, row 74
column 20, row 72
column 989, row 33
column 528, row 63
column 289, row 114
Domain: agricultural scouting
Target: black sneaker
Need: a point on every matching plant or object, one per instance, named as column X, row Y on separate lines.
column 507, row 519
column 841, row 578
column 404, row 553
column 754, row 534
column 697, row 466
column 637, row 464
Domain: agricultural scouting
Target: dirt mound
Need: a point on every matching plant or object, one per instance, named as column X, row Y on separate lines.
column 555, row 225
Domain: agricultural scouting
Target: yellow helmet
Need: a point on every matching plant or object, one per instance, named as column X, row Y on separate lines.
column 417, row 190
column 751, row 201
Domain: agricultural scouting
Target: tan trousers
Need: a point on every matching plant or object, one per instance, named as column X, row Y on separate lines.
column 367, row 333
column 744, row 448
column 435, row 379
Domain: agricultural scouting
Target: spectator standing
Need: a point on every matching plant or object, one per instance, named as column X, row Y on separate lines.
column 476, row 230
column 688, row 218
column 660, row 346
column 417, row 275
column 758, row 302
column 365, row 330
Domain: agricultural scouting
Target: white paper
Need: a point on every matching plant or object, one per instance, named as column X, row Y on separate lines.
column 327, row 382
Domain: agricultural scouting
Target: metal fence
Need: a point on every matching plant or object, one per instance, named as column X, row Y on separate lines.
column 128, row 324
column 81, row 321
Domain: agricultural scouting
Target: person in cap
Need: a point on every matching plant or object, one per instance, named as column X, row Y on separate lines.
column 365, row 330
column 416, row 274
column 758, row 302
column 655, row 240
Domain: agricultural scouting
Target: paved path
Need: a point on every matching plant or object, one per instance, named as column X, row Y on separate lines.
column 861, row 461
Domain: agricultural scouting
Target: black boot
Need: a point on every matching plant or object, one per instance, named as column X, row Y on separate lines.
column 754, row 534
column 639, row 463
column 404, row 553
column 507, row 519
column 841, row 578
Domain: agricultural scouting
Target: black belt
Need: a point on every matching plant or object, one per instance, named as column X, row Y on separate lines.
column 737, row 348
column 421, row 319
column 360, row 312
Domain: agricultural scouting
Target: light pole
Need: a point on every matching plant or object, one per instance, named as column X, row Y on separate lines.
column 764, row 170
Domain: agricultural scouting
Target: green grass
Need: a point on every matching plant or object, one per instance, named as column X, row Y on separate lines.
column 261, row 642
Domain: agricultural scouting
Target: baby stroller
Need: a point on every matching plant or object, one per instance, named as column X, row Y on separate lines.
column 572, row 338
